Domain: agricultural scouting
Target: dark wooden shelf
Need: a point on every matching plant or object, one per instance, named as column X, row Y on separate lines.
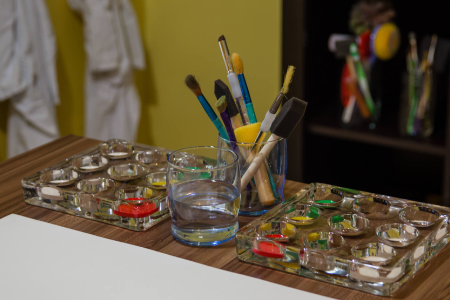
column 381, row 136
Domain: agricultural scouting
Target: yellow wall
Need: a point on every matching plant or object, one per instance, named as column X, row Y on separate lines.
column 180, row 38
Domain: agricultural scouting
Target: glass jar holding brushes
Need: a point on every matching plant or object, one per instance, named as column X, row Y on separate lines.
column 419, row 90
column 243, row 134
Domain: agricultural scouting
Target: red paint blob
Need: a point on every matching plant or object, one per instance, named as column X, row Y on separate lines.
column 275, row 236
column 268, row 249
column 131, row 211
column 134, row 199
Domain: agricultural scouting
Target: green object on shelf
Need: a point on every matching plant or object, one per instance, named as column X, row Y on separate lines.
column 413, row 95
column 362, row 79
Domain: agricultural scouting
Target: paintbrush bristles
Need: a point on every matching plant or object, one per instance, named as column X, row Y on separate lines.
column 288, row 79
column 237, row 63
column 221, row 104
column 193, row 85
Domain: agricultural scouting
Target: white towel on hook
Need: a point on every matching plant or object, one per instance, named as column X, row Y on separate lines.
column 28, row 74
column 114, row 49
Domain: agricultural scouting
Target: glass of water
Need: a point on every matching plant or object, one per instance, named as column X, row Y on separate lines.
column 203, row 188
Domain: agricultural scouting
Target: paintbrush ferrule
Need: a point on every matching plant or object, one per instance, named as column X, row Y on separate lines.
column 237, row 94
column 273, row 109
column 226, row 56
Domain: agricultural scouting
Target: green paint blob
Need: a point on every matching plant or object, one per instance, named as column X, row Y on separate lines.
column 290, row 210
column 324, row 201
column 337, row 219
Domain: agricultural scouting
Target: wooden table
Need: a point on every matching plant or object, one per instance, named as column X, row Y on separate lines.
column 433, row 282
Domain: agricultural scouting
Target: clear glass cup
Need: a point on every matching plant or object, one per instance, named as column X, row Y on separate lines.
column 266, row 188
column 203, row 188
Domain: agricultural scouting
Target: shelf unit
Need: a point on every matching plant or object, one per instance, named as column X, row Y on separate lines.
column 304, row 35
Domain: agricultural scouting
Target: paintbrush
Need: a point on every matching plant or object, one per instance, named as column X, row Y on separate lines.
column 239, row 69
column 272, row 113
column 233, row 80
column 221, row 106
column 427, row 85
column 221, row 89
column 282, row 127
column 194, row 86
column 414, row 75
column 362, row 79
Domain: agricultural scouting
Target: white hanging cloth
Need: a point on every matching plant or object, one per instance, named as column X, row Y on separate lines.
column 28, row 74
column 114, row 49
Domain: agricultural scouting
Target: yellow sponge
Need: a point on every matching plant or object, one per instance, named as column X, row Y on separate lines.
column 247, row 134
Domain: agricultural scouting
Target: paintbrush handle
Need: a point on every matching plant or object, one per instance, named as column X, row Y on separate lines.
column 212, row 116
column 208, row 109
column 235, row 122
column 242, row 110
column 232, row 138
column 247, row 99
column 259, row 160
column 362, row 79
column 223, row 133
column 251, row 113
column 237, row 94
column 353, row 87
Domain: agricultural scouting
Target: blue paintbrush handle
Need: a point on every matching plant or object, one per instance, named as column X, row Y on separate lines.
column 212, row 115
column 244, row 89
column 223, row 133
column 251, row 113
column 208, row 109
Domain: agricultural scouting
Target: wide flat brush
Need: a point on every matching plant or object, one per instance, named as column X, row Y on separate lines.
column 239, row 70
column 221, row 89
column 194, row 86
column 272, row 113
column 282, row 127
column 233, row 80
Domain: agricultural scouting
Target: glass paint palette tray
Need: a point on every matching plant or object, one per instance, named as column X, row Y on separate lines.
column 359, row 240
column 118, row 182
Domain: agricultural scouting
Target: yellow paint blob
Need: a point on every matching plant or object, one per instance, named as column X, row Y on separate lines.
column 159, row 183
column 347, row 224
column 312, row 237
column 248, row 133
column 266, row 226
column 148, row 193
column 393, row 233
column 301, row 218
column 294, row 266
column 288, row 230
